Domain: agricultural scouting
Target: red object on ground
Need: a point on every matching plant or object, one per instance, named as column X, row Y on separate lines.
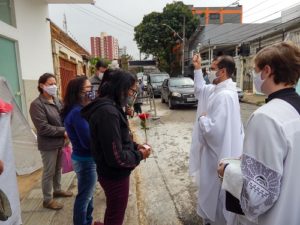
column 144, row 116
column 5, row 107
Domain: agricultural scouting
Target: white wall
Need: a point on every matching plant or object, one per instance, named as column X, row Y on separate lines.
column 34, row 38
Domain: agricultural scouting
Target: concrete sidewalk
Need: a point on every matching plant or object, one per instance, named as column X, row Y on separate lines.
column 254, row 99
column 33, row 212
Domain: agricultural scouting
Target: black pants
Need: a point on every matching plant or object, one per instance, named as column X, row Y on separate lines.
column 137, row 107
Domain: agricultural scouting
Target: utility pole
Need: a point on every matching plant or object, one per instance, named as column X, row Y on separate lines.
column 183, row 43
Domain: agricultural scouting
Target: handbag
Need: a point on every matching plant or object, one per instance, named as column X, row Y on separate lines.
column 5, row 209
column 66, row 159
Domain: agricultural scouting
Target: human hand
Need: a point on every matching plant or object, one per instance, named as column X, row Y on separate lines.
column 145, row 152
column 197, row 61
column 129, row 111
column 221, row 169
column 1, row 167
column 203, row 114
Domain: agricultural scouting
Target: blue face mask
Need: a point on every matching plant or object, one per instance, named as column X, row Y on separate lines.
column 91, row 95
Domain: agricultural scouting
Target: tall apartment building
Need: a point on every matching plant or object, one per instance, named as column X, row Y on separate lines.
column 105, row 46
column 218, row 15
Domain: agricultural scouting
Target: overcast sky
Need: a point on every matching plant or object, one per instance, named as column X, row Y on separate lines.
column 85, row 21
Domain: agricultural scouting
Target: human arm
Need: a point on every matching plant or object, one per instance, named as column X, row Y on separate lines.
column 265, row 148
column 81, row 128
column 40, row 121
column 109, row 136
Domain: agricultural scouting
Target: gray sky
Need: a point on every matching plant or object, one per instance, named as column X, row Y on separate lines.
column 85, row 21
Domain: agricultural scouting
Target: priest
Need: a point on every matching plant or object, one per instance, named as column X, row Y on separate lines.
column 218, row 133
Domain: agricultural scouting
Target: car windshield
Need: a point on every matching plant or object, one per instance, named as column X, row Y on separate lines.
column 158, row 78
column 181, row 82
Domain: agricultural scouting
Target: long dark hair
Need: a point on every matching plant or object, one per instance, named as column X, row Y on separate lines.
column 118, row 85
column 73, row 94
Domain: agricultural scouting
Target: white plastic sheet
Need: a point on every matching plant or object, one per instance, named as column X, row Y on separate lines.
column 8, row 179
column 27, row 156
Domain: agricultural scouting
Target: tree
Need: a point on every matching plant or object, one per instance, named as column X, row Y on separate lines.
column 93, row 62
column 154, row 38
column 124, row 61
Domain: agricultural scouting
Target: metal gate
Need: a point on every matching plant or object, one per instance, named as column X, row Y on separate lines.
column 68, row 72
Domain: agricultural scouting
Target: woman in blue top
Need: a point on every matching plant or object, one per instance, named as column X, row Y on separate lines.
column 78, row 94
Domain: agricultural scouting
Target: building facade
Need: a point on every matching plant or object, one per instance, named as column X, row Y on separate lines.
column 218, row 15
column 25, row 46
column 105, row 46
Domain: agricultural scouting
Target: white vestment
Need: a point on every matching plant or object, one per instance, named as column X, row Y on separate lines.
column 217, row 135
column 267, row 181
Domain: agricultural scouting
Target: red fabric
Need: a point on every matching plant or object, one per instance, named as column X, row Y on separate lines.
column 5, row 107
column 66, row 159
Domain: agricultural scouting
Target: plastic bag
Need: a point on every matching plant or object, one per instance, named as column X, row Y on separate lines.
column 66, row 159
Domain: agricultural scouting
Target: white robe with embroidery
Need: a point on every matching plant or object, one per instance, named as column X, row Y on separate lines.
column 267, row 183
column 217, row 135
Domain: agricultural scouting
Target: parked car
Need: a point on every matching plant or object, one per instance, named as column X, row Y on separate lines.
column 240, row 93
column 178, row 91
column 155, row 81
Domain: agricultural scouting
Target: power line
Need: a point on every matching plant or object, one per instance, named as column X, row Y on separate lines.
column 242, row 27
column 97, row 17
column 117, row 18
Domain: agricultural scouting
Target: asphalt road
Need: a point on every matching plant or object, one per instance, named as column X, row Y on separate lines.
column 168, row 194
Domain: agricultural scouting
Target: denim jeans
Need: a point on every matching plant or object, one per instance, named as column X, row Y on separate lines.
column 86, row 181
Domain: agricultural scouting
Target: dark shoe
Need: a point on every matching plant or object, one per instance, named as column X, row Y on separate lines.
column 62, row 194
column 52, row 204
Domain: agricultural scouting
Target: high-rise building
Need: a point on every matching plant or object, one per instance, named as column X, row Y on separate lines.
column 218, row 15
column 95, row 46
column 105, row 46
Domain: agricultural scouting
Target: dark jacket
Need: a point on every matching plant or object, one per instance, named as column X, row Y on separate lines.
column 47, row 121
column 112, row 148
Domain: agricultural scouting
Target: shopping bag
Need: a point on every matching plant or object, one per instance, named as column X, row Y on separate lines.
column 66, row 159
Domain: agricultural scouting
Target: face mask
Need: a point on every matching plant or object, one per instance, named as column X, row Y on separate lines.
column 257, row 81
column 100, row 75
column 51, row 90
column 91, row 95
column 211, row 76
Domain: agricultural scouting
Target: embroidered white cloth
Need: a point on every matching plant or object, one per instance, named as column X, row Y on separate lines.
column 270, row 166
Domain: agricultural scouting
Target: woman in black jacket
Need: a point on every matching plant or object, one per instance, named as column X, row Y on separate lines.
column 116, row 155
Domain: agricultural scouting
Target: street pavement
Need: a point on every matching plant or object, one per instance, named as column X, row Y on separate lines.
column 161, row 190
column 169, row 193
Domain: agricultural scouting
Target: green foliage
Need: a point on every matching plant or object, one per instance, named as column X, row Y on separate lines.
column 154, row 38
column 93, row 62
column 124, row 61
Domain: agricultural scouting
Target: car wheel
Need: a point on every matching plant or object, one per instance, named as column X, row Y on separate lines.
column 162, row 99
column 171, row 106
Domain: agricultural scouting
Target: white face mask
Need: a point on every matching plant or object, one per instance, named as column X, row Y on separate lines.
column 51, row 90
column 211, row 76
column 100, row 75
column 257, row 81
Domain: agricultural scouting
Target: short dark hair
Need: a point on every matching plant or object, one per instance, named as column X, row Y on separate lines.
column 284, row 60
column 118, row 85
column 73, row 92
column 43, row 79
column 227, row 62
column 101, row 63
